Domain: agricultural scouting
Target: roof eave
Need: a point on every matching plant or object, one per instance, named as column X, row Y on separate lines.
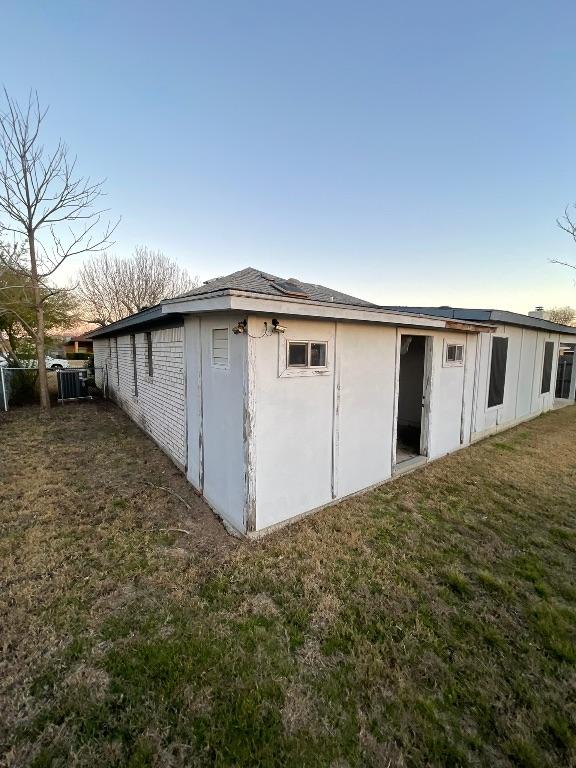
column 244, row 301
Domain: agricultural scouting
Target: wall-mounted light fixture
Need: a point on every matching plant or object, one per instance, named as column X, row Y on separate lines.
column 241, row 327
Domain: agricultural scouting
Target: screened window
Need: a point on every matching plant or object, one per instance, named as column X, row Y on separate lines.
column 454, row 354
column 220, row 350
column 149, row 359
column 306, row 354
column 117, row 361
column 497, row 371
column 547, row 367
column 134, row 366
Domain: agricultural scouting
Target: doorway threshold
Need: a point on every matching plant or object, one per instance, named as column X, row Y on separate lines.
column 408, row 465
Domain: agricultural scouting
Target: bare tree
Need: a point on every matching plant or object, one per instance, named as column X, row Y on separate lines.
column 112, row 287
column 44, row 201
column 563, row 315
column 568, row 224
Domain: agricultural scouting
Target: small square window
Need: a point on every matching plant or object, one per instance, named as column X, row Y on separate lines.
column 454, row 354
column 297, row 354
column 307, row 354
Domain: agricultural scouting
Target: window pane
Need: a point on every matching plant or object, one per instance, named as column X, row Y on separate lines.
column 451, row 353
column 317, row 354
column 297, row 354
column 459, row 353
column 547, row 368
column 497, row 371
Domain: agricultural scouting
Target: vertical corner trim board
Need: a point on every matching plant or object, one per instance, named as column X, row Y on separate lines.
column 249, row 407
column 335, row 415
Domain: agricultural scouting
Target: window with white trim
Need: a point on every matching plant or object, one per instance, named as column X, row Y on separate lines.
column 220, row 348
column 453, row 354
column 307, row 354
column 547, row 367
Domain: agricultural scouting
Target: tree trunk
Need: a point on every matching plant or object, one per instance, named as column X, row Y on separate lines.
column 39, row 340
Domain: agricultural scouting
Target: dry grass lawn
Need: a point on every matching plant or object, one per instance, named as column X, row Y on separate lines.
column 429, row 622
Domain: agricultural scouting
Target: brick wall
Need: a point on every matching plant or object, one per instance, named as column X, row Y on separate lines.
column 159, row 407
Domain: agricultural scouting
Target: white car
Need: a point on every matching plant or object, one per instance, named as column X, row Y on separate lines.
column 52, row 363
column 56, row 363
column 3, row 362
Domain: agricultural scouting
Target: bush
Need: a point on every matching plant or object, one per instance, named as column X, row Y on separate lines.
column 22, row 386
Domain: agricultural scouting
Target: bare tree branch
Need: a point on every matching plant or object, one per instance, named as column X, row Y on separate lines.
column 112, row 288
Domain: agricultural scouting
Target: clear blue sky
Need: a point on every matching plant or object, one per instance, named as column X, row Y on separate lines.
column 408, row 152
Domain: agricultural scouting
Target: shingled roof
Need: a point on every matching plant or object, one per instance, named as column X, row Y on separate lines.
column 256, row 281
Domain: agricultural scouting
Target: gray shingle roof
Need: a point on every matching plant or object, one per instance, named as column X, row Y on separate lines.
column 256, row 281
column 500, row 316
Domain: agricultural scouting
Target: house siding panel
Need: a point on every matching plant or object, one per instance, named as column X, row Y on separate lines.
column 160, row 407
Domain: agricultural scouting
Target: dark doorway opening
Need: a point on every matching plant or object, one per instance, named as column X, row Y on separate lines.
column 411, row 396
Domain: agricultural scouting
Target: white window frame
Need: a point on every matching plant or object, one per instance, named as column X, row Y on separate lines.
column 285, row 370
column 220, row 366
column 453, row 363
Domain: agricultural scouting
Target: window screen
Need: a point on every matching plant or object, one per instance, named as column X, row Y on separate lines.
column 220, row 347
column 497, row 371
column 547, row 367
column 149, row 354
column 134, row 366
column 317, row 355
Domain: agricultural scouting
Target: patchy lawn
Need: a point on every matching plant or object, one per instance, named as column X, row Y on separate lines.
column 429, row 622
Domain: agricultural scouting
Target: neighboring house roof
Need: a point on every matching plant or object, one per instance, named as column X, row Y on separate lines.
column 256, row 281
column 498, row 316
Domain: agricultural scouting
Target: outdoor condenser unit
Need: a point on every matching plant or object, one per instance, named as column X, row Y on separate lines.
column 72, row 384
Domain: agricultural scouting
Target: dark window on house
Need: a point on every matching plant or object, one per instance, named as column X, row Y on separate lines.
column 547, row 367
column 497, row 371
column 297, row 354
column 117, row 361
column 135, row 368
column 454, row 354
column 149, row 354
column 307, row 354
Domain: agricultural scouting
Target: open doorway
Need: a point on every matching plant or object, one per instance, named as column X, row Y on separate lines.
column 411, row 433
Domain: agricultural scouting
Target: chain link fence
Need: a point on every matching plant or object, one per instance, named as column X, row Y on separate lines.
column 20, row 387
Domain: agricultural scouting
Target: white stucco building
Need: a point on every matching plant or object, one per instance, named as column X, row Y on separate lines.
column 277, row 397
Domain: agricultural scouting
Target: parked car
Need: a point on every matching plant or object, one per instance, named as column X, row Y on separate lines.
column 52, row 363
column 4, row 363
column 56, row 363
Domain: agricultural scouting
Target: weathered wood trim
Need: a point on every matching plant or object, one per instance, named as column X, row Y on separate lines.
column 249, row 427
column 396, row 393
column 335, row 414
column 201, row 409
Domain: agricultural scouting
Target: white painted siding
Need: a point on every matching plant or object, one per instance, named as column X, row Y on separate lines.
column 522, row 396
column 293, row 426
column 215, row 403
column 159, row 409
column 325, row 436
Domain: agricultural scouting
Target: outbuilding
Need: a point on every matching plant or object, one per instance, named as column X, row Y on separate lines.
column 277, row 397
